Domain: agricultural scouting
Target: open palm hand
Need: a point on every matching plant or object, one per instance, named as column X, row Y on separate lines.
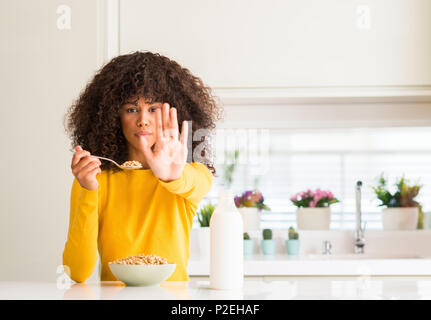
column 169, row 155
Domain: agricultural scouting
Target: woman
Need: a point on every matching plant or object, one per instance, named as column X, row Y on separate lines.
column 132, row 111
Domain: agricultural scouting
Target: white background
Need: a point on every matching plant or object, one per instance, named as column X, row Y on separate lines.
column 43, row 69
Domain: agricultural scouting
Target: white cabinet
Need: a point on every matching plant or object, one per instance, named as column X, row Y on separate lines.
column 286, row 43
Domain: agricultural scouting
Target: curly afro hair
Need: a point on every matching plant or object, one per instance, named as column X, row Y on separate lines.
column 93, row 120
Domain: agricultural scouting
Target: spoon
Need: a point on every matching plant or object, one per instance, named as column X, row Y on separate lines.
column 118, row 165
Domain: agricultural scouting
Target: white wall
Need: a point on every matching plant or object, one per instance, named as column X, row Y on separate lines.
column 42, row 70
column 287, row 43
column 307, row 63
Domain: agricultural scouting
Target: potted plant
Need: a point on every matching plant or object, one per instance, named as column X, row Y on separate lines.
column 248, row 245
column 267, row 243
column 250, row 204
column 314, row 212
column 231, row 161
column 402, row 211
column 204, row 217
column 292, row 244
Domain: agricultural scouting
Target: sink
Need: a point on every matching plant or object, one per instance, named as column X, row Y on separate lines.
column 364, row 256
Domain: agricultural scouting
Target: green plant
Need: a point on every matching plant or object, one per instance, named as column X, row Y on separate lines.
column 246, row 236
column 204, row 214
column 420, row 218
column 267, row 234
column 402, row 197
column 231, row 160
column 293, row 235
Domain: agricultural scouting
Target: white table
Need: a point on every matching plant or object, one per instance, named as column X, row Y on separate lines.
column 321, row 265
column 255, row 288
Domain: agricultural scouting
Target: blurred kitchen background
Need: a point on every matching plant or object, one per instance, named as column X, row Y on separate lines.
column 340, row 90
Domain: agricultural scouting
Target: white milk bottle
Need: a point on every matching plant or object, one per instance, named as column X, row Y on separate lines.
column 226, row 244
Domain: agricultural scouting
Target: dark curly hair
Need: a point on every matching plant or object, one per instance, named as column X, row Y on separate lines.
column 93, row 120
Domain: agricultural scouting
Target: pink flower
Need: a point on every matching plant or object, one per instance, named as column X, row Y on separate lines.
column 315, row 196
column 316, row 200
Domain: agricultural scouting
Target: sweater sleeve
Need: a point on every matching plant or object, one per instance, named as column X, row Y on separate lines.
column 195, row 182
column 80, row 251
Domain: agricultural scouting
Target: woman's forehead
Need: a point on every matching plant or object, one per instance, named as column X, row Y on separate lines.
column 141, row 100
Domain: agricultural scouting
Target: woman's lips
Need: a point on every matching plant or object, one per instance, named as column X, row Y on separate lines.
column 144, row 133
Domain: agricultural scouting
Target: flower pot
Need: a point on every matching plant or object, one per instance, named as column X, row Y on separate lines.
column 204, row 242
column 248, row 247
column 292, row 247
column 313, row 218
column 268, row 247
column 400, row 218
column 250, row 218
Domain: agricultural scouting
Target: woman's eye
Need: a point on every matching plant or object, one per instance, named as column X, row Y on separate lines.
column 153, row 109
column 131, row 110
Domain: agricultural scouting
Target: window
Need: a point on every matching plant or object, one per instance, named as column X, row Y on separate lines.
column 332, row 159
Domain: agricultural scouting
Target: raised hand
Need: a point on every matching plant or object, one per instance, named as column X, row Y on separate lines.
column 169, row 155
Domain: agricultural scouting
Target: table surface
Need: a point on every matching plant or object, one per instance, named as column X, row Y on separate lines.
column 286, row 288
column 326, row 265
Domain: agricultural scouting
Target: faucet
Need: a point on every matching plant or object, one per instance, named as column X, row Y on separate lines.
column 327, row 247
column 359, row 232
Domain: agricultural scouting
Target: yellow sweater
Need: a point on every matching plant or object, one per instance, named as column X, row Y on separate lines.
column 133, row 212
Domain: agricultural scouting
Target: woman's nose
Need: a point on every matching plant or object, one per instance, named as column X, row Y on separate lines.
column 143, row 121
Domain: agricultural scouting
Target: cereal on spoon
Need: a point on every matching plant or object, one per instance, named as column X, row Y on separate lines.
column 132, row 164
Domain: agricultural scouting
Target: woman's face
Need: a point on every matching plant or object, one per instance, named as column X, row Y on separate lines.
column 138, row 118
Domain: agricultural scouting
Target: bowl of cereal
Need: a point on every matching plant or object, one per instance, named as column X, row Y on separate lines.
column 142, row 270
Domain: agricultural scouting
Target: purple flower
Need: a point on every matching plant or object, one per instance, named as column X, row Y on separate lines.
column 237, row 201
column 250, row 198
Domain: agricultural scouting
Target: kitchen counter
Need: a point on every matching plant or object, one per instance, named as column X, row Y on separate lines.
column 330, row 265
column 387, row 253
column 255, row 288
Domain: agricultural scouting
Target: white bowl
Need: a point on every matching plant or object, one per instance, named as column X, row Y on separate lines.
column 143, row 274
